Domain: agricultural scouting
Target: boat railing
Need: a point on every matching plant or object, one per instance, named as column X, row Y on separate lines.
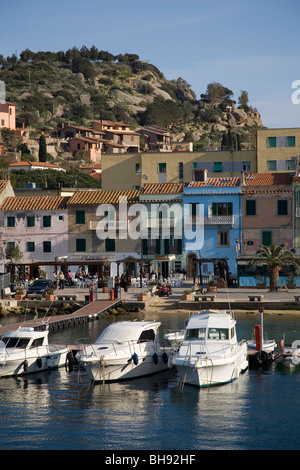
column 133, row 345
column 204, row 352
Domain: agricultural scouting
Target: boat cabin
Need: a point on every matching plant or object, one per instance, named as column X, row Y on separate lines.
column 25, row 338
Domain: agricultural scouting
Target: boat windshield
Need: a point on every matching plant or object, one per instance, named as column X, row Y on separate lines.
column 195, row 333
column 16, row 342
column 218, row 333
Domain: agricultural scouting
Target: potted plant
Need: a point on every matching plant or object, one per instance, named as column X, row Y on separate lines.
column 212, row 287
column 187, row 295
column 143, row 297
column 20, row 295
column 221, row 282
column 290, row 284
column 104, row 285
column 261, row 282
column 49, row 293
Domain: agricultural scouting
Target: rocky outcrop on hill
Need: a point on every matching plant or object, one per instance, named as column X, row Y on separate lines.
column 52, row 90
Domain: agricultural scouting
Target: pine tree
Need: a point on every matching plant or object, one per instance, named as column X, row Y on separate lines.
column 42, row 149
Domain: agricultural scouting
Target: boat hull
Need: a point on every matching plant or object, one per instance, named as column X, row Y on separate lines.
column 210, row 371
column 14, row 364
column 116, row 369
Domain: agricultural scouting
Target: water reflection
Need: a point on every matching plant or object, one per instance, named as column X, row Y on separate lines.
column 64, row 410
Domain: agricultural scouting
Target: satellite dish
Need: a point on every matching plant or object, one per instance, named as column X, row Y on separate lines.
column 145, row 177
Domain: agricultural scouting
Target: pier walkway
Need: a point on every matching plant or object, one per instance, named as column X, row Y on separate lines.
column 83, row 314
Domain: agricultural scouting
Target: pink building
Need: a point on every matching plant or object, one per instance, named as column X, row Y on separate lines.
column 7, row 115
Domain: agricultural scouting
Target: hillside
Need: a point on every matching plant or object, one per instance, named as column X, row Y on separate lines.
column 51, row 90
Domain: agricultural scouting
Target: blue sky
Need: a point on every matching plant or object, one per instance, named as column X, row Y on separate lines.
column 252, row 46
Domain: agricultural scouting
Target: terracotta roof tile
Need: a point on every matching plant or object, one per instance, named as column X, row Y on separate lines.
column 103, row 197
column 267, row 179
column 216, row 182
column 42, row 164
column 163, row 188
column 34, row 203
column 3, row 184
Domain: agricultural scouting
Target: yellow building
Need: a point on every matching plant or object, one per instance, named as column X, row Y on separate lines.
column 132, row 171
column 85, row 246
column 277, row 149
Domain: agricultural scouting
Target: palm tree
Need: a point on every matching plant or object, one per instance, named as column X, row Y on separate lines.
column 274, row 257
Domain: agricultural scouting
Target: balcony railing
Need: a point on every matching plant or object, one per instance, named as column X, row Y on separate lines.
column 219, row 219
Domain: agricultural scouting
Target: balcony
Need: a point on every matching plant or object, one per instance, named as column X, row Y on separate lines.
column 219, row 219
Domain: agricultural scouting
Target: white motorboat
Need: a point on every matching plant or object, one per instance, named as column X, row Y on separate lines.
column 269, row 345
column 210, row 353
column 175, row 338
column 290, row 350
column 124, row 350
column 27, row 350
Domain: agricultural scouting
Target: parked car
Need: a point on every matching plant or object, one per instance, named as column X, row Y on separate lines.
column 39, row 286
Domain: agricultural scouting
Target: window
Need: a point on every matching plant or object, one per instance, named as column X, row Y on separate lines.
column 282, row 207
column 218, row 333
column 223, row 238
column 250, row 207
column 195, row 333
column 281, row 141
column 31, row 221
column 47, row 247
column 272, row 165
column 271, row 141
column 290, row 141
column 246, row 166
column 11, row 221
column 180, row 171
column 80, row 217
column 217, row 166
column 162, row 168
column 30, row 247
column 291, row 164
column 222, row 208
column 137, row 168
column 10, row 245
column 110, row 244
column 80, row 244
column 46, row 221
column 266, row 238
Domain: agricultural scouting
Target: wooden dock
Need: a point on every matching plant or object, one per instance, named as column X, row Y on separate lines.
column 89, row 312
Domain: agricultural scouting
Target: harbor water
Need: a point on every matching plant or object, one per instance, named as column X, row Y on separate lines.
column 63, row 410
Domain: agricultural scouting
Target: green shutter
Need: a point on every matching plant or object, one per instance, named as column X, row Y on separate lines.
column 80, row 244
column 266, row 238
column 229, row 208
column 110, row 244
column 179, row 246
column 158, row 246
column 290, row 141
column 282, row 207
column 214, row 208
column 271, row 141
column 80, row 217
column 145, row 246
column 217, row 166
column 166, row 246
column 250, row 207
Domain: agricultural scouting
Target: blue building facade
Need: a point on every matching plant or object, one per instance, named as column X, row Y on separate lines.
column 217, row 203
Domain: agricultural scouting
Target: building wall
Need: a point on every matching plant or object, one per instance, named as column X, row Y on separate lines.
column 209, row 246
column 7, row 116
column 118, row 172
column 267, row 220
column 272, row 146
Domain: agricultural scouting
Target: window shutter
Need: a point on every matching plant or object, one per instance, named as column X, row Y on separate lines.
column 214, row 208
column 229, row 208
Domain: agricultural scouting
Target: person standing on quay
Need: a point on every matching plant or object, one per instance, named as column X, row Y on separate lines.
column 61, row 280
